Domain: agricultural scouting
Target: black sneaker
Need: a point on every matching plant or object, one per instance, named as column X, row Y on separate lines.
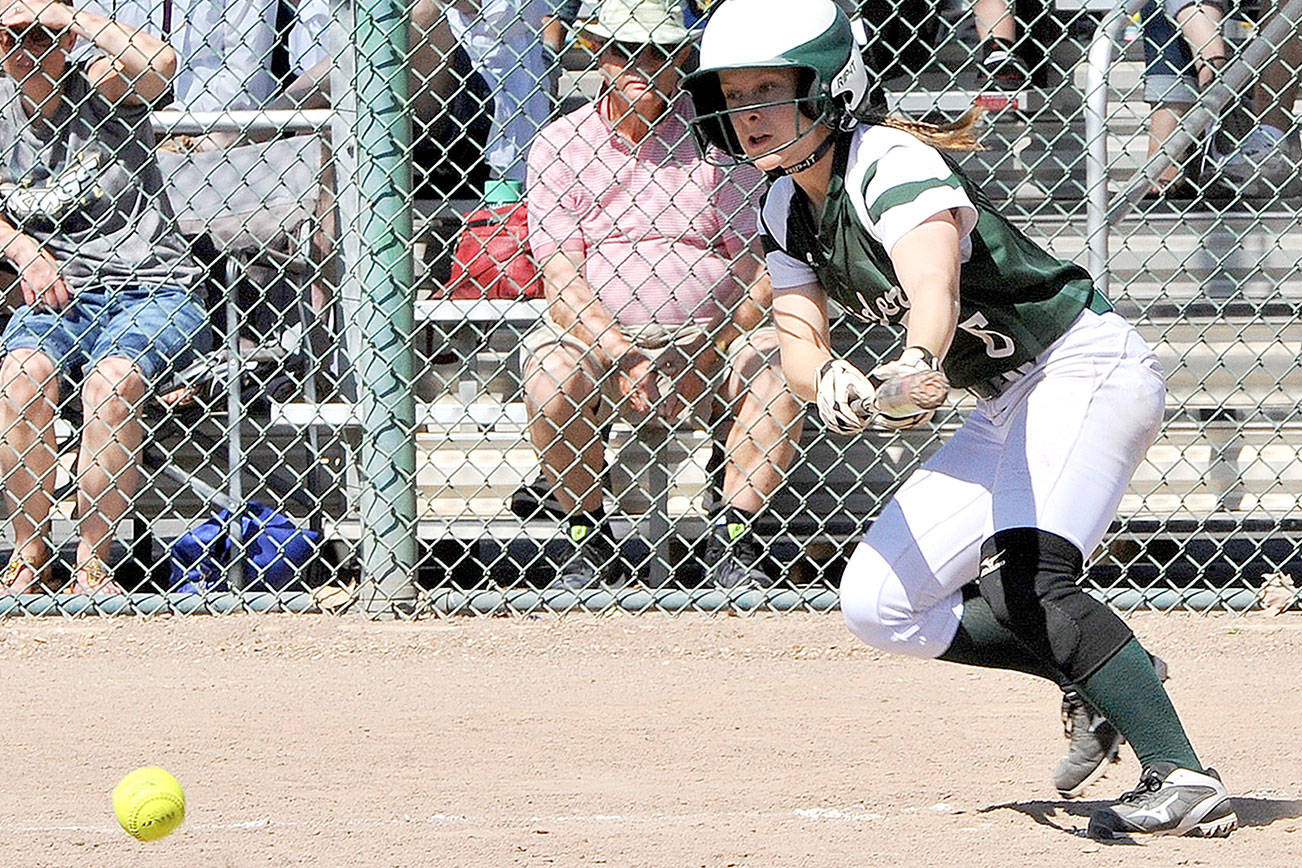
column 1093, row 744
column 733, row 557
column 596, row 561
column 1001, row 68
column 1169, row 801
column 536, row 500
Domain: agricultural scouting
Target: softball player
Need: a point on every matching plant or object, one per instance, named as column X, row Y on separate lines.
column 976, row 560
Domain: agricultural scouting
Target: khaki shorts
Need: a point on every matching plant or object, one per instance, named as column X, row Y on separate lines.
column 602, row 369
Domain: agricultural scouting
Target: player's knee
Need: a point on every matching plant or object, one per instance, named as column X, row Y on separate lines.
column 1030, row 578
column 877, row 617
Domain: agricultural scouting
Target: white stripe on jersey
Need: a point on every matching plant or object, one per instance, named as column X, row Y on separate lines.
column 899, row 159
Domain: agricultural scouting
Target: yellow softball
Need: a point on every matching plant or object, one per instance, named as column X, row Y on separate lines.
column 149, row 803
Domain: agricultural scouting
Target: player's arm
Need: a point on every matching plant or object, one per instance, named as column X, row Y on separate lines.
column 751, row 309
column 840, row 391
column 927, row 262
column 800, row 314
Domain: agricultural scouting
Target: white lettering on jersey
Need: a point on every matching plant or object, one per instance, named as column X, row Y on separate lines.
column 998, row 344
column 886, row 308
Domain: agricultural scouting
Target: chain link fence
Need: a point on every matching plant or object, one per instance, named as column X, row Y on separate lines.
column 362, row 418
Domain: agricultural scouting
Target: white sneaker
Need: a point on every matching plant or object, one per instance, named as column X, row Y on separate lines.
column 1265, row 165
column 1169, row 801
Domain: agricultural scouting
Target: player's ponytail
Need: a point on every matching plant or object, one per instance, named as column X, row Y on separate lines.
column 958, row 135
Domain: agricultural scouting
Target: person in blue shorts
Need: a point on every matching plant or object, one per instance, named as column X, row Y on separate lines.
column 111, row 294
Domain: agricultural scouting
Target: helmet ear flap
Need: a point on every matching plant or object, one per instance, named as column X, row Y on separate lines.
column 848, row 90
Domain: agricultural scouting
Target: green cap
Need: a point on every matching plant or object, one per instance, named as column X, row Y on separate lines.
column 504, row 191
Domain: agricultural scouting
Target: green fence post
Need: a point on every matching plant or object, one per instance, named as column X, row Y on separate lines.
column 382, row 133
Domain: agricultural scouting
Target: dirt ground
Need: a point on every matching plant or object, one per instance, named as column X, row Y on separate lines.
column 622, row 741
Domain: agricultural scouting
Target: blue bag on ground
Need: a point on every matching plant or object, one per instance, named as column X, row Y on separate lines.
column 275, row 552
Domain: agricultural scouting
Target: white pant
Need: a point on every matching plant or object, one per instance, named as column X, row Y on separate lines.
column 1055, row 451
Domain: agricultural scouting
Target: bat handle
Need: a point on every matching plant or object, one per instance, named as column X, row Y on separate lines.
column 912, row 394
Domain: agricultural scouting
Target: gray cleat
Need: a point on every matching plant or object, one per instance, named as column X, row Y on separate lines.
column 1262, row 166
column 1093, row 742
column 734, row 557
column 1093, row 745
column 596, row 561
column 1169, row 801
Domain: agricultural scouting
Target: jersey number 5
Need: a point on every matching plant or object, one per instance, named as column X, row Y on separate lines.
column 998, row 344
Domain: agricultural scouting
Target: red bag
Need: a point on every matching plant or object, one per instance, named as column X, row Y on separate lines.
column 491, row 259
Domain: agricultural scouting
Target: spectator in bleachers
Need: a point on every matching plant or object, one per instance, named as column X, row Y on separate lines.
column 1265, row 162
column 504, row 39
column 556, row 36
column 109, row 290
column 226, row 48
column 1178, row 66
column 653, row 273
column 1002, row 67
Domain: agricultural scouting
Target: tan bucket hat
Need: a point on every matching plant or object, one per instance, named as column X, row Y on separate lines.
column 640, row 21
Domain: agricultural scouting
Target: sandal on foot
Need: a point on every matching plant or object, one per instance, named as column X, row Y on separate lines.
column 92, row 576
column 11, row 583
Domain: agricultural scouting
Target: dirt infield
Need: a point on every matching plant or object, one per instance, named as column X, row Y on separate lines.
column 621, row 741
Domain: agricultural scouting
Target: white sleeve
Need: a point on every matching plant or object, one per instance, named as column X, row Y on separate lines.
column 309, row 40
column 907, row 185
column 233, row 70
column 785, row 270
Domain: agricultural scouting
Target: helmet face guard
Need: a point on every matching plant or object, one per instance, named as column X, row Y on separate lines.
column 716, row 137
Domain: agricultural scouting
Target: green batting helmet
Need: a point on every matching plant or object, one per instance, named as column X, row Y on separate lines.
column 813, row 37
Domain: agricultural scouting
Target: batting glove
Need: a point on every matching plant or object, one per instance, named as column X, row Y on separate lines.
column 845, row 397
column 912, row 361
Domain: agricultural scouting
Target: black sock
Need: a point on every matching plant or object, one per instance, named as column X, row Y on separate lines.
column 1129, row 694
column 983, row 641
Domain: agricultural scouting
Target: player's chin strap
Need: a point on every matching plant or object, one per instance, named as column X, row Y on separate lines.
column 819, row 153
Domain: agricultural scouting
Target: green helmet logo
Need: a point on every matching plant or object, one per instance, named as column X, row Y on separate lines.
column 814, row 37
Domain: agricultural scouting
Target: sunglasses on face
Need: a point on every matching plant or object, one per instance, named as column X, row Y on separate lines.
column 34, row 39
column 646, row 55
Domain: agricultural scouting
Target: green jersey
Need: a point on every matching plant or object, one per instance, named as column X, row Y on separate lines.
column 1015, row 298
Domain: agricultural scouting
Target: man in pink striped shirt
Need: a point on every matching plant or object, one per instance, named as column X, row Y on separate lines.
column 656, row 287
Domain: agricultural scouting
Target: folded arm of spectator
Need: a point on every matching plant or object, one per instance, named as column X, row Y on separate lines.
column 574, row 306
column 135, row 68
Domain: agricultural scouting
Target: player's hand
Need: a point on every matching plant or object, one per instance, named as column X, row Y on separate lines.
column 38, row 273
column 844, row 397
column 913, row 360
column 637, row 382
